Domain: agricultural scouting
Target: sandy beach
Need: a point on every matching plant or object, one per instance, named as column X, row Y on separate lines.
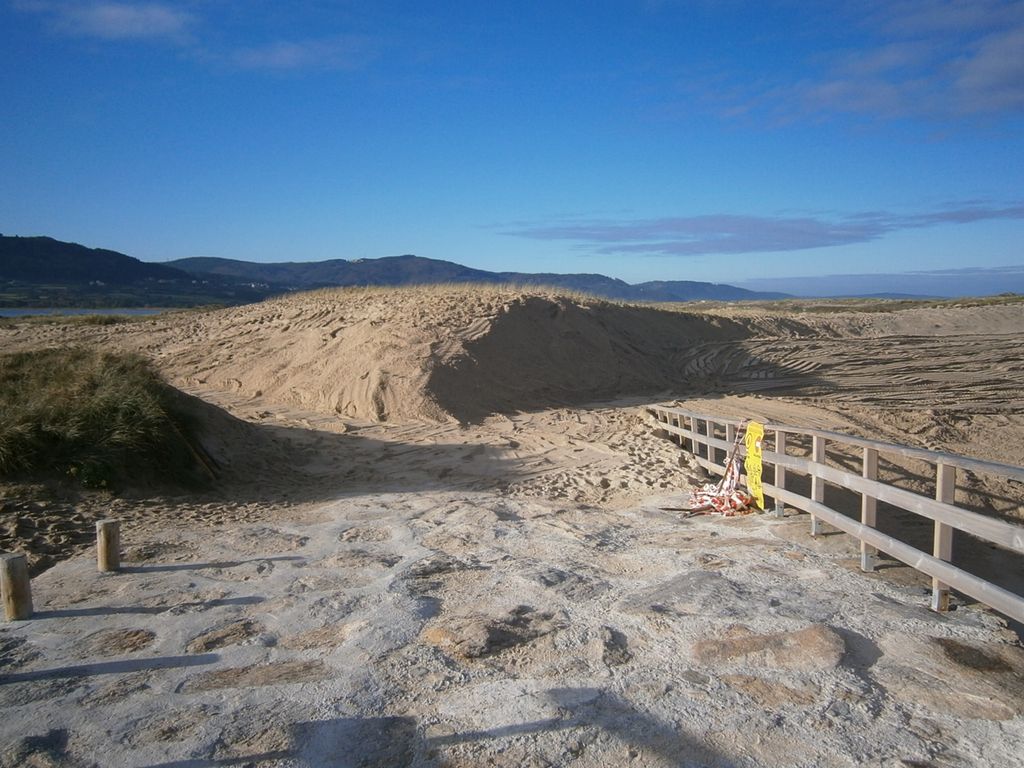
column 445, row 533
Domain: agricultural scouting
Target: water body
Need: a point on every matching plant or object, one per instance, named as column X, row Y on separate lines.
column 28, row 311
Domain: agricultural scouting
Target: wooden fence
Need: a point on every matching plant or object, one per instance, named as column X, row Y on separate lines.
column 698, row 432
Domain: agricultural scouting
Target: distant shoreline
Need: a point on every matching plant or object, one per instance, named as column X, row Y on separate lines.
column 33, row 311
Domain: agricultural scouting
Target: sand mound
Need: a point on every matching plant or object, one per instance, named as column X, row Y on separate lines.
column 543, row 351
column 436, row 353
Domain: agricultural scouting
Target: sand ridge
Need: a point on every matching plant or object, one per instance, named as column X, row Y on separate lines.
column 431, row 353
column 465, row 352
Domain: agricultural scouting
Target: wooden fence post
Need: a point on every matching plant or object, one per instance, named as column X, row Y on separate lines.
column 693, row 441
column 817, row 483
column 780, row 472
column 945, row 491
column 16, row 587
column 730, row 436
column 108, row 545
column 661, row 418
column 868, row 508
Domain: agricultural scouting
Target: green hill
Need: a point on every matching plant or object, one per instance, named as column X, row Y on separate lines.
column 43, row 259
column 41, row 271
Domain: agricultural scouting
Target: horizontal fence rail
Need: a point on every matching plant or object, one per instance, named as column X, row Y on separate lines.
column 696, row 432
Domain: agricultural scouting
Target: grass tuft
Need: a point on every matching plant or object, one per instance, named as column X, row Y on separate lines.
column 460, row 289
column 102, row 419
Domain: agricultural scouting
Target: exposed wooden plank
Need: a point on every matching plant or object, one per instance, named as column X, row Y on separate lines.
column 1002, row 600
column 962, row 462
column 817, row 481
column 700, row 437
column 709, row 428
column 780, row 471
column 108, row 545
column 997, row 531
column 15, row 587
column 945, row 492
column 942, row 509
column 868, row 508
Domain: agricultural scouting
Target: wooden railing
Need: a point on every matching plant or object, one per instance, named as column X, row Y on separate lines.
column 697, row 432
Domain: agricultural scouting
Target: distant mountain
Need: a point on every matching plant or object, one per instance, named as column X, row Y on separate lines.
column 662, row 290
column 689, row 290
column 412, row 270
column 599, row 285
column 300, row 275
column 886, row 296
column 43, row 259
column 41, row 271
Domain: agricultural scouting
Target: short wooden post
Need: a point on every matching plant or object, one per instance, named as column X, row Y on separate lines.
column 817, row 483
column 730, row 436
column 780, row 472
column 868, row 508
column 108, row 545
column 661, row 418
column 945, row 491
column 16, row 587
column 694, row 440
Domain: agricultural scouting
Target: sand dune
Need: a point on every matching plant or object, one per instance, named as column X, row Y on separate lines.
column 434, row 354
column 465, row 352
column 429, row 353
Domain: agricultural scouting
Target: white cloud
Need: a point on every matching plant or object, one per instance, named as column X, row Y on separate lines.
column 341, row 52
column 732, row 233
column 120, row 20
column 934, row 59
column 165, row 22
column 993, row 77
column 114, row 20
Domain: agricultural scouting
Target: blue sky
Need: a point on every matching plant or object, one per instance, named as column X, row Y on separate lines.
column 645, row 139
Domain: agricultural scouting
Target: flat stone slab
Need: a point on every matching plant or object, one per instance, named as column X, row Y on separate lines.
column 810, row 648
column 274, row 673
column 473, row 637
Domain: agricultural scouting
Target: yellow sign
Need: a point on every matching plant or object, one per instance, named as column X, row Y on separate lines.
column 752, row 464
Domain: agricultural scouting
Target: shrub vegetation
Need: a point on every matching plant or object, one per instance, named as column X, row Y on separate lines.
column 100, row 418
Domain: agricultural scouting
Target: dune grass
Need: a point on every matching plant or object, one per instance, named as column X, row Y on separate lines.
column 470, row 289
column 103, row 319
column 792, row 306
column 102, row 419
column 73, row 320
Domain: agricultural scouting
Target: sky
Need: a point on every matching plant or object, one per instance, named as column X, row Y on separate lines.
column 734, row 142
